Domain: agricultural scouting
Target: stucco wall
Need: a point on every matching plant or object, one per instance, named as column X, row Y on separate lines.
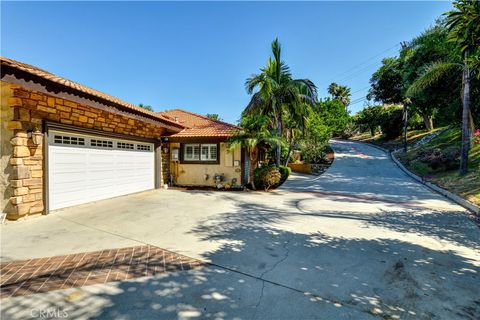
column 194, row 174
column 6, row 135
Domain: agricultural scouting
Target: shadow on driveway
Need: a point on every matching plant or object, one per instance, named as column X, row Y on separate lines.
column 265, row 272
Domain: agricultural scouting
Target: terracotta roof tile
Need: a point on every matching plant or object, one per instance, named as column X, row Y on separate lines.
column 84, row 89
column 198, row 125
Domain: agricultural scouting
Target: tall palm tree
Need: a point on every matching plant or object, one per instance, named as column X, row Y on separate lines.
column 464, row 30
column 253, row 134
column 340, row 92
column 278, row 93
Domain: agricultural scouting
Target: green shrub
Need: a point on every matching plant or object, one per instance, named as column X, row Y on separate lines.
column 388, row 118
column 419, row 167
column 285, row 172
column 415, row 121
column 270, row 177
column 391, row 122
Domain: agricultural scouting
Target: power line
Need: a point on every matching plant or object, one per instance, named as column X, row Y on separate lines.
column 358, row 101
column 358, row 72
column 364, row 62
column 359, row 90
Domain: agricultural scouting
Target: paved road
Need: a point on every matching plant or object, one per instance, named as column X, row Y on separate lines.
column 361, row 241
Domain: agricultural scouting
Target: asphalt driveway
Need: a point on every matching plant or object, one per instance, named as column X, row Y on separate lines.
column 361, row 241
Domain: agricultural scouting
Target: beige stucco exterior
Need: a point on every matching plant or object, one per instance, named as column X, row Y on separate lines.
column 199, row 174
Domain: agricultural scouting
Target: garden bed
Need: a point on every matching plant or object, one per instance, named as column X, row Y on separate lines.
column 314, row 168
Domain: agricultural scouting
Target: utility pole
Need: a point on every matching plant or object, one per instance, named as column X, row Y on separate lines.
column 406, row 102
column 405, row 123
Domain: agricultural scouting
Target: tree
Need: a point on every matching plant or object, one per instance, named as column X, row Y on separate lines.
column 339, row 92
column 464, row 26
column 146, row 107
column 392, row 80
column 464, row 30
column 253, row 134
column 333, row 114
column 315, row 140
column 386, row 83
column 424, row 50
column 213, row 116
column 278, row 93
column 369, row 118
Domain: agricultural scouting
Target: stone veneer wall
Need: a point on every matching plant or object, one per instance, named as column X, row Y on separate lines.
column 25, row 110
column 166, row 163
column 6, row 135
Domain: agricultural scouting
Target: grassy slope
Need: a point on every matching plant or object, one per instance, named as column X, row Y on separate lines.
column 467, row 186
column 412, row 137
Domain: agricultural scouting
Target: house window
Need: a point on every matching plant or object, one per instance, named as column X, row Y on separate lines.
column 200, row 152
column 209, row 152
column 192, row 152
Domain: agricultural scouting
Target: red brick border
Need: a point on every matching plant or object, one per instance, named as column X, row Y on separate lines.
column 81, row 269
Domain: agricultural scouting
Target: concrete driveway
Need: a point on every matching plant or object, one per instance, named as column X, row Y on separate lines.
column 361, row 241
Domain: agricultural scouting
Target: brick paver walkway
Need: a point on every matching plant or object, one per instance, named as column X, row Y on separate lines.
column 77, row 270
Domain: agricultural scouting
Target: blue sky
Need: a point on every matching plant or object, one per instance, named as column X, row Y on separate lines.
column 197, row 56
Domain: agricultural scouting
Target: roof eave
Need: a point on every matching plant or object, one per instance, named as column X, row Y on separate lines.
column 54, row 86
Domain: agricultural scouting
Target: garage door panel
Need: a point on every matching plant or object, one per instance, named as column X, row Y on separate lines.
column 81, row 174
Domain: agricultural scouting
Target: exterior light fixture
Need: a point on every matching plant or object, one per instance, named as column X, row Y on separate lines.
column 36, row 136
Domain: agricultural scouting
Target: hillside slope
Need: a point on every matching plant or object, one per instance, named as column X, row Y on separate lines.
column 437, row 161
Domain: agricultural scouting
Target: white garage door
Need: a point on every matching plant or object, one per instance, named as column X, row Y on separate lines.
column 83, row 168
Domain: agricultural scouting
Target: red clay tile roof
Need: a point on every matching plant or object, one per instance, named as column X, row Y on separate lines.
column 199, row 126
column 84, row 89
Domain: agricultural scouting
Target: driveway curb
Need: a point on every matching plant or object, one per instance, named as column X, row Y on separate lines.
column 449, row 195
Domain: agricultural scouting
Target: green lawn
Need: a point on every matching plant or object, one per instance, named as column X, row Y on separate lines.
column 467, row 186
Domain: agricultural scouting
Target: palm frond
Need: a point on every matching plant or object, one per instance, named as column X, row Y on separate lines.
column 254, row 81
column 308, row 89
column 256, row 104
column 431, row 75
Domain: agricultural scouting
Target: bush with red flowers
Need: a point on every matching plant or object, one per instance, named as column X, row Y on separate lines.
column 476, row 136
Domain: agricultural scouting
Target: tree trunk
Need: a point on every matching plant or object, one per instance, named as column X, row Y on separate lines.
column 427, row 119
column 251, row 176
column 405, row 127
column 465, row 121
column 279, row 147
column 288, row 155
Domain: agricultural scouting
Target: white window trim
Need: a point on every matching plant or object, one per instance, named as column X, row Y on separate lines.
column 200, row 158
column 185, row 154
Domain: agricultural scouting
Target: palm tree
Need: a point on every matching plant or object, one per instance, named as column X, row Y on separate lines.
column 253, row 134
column 339, row 92
column 278, row 93
column 464, row 30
